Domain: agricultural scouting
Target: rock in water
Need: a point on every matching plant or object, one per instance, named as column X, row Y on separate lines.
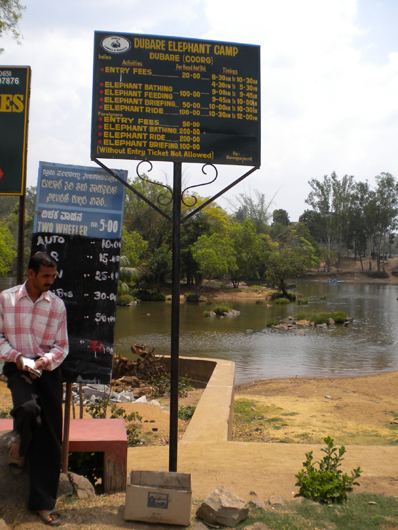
column 222, row 507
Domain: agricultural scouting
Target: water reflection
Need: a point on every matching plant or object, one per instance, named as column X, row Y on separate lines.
column 368, row 346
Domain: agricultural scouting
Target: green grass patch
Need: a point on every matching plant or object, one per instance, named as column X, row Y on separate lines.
column 282, row 301
column 221, row 310
column 256, row 288
column 255, row 421
column 270, row 323
column 355, row 514
column 301, row 316
column 323, row 317
column 302, row 301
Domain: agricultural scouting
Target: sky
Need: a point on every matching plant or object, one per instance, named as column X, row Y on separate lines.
column 329, row 85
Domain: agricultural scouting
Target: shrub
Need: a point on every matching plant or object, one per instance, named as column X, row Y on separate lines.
column 149, row 296
column 186, row 413
column 323, row 318
column 161, row 385
column 124, row 299
column 301, row 316
column 259, row 302
column 5, row 414
column 221, row 310
column 272, row 323
column 206, row 314
column 281, row 301
column 323, row 297
column 192, row 297
column 290, row 296
column 327, row 483
column 302, row 301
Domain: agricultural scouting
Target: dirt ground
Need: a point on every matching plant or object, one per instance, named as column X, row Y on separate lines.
column 354, row 411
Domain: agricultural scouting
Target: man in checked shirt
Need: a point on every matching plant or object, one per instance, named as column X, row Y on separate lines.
column 33, row 330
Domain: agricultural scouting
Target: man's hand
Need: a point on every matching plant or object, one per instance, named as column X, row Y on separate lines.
column 39, row 365
column 20, row 363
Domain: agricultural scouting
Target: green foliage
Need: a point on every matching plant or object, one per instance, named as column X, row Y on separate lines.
column 323, row 297
column 302, row 301
column 282, row 301
column 10, row 15
column 99, row 410
column 273, row 322
column 194, row 298
column 158, row 266
column 5, row 414
column 323, row 318
column 161, row 385
column 221, row 310
column 256, row 210
column 124, row 300
column 301, row 316
column 327, row 483
column 215, row 256
column 363, row 511
column 149, row 296
column 256, row 288
column 290, row 296
column 259, row 302
column 133, row 247
column 89, row 465
column 206, row 314
column 186, row 413
column 7, row 250
column 247, row 252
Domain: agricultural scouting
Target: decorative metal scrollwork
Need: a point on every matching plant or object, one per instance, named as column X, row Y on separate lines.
column 185, row 200
column 162, row 199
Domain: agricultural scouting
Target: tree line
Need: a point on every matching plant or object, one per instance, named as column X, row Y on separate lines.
column 250, row 242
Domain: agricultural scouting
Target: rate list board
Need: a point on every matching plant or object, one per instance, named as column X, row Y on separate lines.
column 78, row 221
column 174, row 99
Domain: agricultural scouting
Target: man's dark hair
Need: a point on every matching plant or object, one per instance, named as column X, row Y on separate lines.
column 41, row 258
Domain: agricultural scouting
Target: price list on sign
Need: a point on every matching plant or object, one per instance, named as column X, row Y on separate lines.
column 163, row 98
column 78, row 220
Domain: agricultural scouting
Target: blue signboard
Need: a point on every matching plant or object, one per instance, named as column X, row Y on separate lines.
column 78, row 200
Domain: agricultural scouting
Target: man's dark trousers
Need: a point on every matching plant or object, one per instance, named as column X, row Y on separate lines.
column 37, row 413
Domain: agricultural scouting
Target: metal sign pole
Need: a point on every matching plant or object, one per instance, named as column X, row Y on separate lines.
column 175, row 317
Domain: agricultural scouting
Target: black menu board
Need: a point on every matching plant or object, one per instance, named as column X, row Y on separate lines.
column 78, row 220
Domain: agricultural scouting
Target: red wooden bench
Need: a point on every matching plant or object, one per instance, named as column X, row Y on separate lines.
column 98, row 436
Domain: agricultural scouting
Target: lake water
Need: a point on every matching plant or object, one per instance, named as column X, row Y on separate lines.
column 369, row 345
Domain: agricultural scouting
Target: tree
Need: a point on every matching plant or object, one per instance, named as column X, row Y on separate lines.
column 331, row 199
column 215, row 257
column 255, row 210
column 10, row 15
column 247, row 252
column 290, row 260
column 386, row 210
column 7, row 250
column 159, row 265
column 280, row 217
column 133, row 246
